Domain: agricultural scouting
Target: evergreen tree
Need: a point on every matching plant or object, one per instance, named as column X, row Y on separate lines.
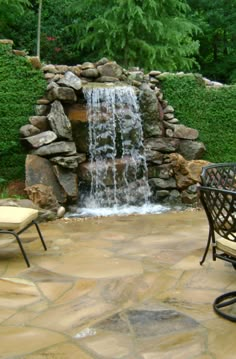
column 9, row 10
column 217, row 54
column 151, row 33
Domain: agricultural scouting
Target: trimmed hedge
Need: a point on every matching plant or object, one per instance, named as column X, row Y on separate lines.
column 211, row 111
column 20, row 87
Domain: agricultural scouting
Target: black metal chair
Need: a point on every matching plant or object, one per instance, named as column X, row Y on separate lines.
column 16, row 220
column 218, row 197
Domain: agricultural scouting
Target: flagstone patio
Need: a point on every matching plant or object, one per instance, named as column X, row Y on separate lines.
column 115, row 288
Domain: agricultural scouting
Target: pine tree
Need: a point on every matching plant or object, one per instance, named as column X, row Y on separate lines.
column 151, row 33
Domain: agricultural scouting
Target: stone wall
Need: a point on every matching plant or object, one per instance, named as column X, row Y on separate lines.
column 57, row 134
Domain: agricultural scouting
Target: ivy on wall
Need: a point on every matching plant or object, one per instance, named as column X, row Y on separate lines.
column 20, row 87
column 209, row 110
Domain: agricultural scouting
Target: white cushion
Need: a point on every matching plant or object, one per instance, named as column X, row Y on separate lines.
column 226, row 246
column 16, row 218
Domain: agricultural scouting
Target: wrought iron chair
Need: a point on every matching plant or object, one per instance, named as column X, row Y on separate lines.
column 16, row 220
column 218, row 197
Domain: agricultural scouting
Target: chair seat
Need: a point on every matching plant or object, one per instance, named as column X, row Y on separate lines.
column 226, row 246
column 16, row 218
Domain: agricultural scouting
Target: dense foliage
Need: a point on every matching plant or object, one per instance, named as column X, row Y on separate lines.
column 20, row 87
column 152, row 34
column 160, row 34
column 217, row 54
column 211, row 111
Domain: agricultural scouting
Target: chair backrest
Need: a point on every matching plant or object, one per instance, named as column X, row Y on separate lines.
column 221, row 175
column 220, row 207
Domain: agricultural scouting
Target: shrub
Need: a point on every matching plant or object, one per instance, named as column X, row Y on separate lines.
column 212, row 111
column 20, row 86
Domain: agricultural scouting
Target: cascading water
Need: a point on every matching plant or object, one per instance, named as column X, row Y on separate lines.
column 118, row 169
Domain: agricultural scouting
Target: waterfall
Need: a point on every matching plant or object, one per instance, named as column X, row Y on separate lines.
column 118, row 166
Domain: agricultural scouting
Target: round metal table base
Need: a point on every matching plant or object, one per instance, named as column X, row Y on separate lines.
column 223, row 301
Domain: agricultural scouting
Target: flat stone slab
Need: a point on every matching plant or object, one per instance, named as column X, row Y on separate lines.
column 127, row 287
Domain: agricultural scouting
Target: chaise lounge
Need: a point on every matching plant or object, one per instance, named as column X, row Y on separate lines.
column 16, row 220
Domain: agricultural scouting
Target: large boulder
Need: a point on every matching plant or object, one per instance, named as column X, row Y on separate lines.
column 39, row 170
column 186, row 173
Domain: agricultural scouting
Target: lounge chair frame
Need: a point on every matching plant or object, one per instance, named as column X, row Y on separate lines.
column 16, row 234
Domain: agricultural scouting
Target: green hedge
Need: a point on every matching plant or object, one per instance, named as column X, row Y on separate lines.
column 20, row 87
column 209, row 110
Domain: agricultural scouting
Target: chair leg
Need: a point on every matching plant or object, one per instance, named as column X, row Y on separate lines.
column 21, row 247
column 207, row 247
column 40, row 235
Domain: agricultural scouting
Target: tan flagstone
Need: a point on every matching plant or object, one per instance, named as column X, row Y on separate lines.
column 64, row 318
column 80, row 288
column 16, row 341
column 109, row 345
column 176, row 346
column 54, row 290
column 60, row 351
column 13, row 289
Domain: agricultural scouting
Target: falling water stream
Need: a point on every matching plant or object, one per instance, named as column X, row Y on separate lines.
column 118, row 169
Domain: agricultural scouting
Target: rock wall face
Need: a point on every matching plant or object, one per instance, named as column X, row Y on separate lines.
column 57, row 134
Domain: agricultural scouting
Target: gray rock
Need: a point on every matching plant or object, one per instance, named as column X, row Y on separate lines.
column 168, row 109
column 153, row 156
column 42, row 110
column 173, row 121
column 64, row 94
column 29, row 130
column 56, row 148
column 87, row 65
column 163, row 171
column 168, row 116
column 154, row 73
column 107, row 79
column 191, row 150
column 69, row 161
column 41, row 139
column 41, row 122
column 52, row 85
column 39, row 170
column 174, row 197
column 71, row 80
column 187, row 133
column 150, row 112
column 68, row 180
column 136, row 76
column 90, row 73
column 163, row 144
column 102, row 61
column 59, row 122
column 161, row 183
column 110, row 69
